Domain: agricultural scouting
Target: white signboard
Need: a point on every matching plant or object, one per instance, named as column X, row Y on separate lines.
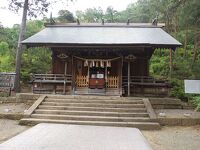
column 192, row 86
column 100, row 76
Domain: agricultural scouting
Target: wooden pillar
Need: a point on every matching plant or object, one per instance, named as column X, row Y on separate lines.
column 120, row 75
column 129, row 69
column 170, row 66
column 65, row 73
column 73, row 76
column 88, row 76
column 65, row 68
column 106, row 77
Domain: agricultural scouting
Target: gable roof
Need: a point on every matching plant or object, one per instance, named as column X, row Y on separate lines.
column 97, row 34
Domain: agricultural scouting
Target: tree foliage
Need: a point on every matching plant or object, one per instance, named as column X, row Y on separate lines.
column 35, row 7
column 65, row 16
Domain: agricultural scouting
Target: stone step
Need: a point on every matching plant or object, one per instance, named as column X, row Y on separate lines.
column 94, row 101
column 92, row 108
column 140, row 125
column 91, row 113
column 95, row 105
column 92, row 118
column 90, row 97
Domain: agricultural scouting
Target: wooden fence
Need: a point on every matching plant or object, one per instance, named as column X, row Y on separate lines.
column 113, row 82
column 81, row 81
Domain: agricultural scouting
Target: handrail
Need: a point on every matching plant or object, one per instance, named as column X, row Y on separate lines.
column 142, row 79
column 52, row 77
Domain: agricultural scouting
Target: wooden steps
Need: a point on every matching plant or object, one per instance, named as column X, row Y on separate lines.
column 91, row 110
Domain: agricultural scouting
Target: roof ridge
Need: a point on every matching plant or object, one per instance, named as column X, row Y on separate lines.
column 137, row 25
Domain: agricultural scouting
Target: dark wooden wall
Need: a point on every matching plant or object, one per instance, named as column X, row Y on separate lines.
column 59, row 65
column 140, row 67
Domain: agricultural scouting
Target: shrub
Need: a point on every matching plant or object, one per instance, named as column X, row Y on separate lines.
column 196, row 101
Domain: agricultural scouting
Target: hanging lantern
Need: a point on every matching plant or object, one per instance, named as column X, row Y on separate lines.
column 85, row 63
column 102, row 64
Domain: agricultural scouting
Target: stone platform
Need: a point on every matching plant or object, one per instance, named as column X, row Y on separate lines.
column 75, row 137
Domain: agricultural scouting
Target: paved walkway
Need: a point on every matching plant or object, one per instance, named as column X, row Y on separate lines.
column 75, row 137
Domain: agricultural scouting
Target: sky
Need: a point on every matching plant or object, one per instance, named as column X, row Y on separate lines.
column 9, row 18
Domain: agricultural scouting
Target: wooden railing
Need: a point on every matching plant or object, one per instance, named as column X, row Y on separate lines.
column 50, row 83
column 145, row 85
column 51, row 78
column 144, row 80
column 81, row 81
column 113, row 82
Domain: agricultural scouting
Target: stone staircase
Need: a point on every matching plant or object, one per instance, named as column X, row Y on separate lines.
column 92, row 110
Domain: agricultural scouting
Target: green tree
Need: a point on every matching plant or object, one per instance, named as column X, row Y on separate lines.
column 30, row 8
column 90, row 15
column 110, row 14
column 4, row 48
column 6, row 61
column 65, row 16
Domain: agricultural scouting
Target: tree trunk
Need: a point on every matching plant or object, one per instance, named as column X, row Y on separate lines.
column 19, row 47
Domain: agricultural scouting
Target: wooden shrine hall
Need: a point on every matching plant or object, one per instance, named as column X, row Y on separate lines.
column 102, row 59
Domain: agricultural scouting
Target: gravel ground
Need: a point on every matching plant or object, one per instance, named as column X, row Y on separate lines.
column 13, row 108
column 174, row 138
column 10, row 128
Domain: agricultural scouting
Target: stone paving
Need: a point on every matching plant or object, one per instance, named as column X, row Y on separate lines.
column 77, row 137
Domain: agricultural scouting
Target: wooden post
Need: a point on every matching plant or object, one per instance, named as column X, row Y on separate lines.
column 65, row 73
column 129, row 78
column 88, row 76
column 170, row 67
column 106, row 77
column 65, row 68
column 120, row 75
column 73, row 76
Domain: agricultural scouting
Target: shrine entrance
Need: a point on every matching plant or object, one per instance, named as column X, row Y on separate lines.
column 97, row 76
